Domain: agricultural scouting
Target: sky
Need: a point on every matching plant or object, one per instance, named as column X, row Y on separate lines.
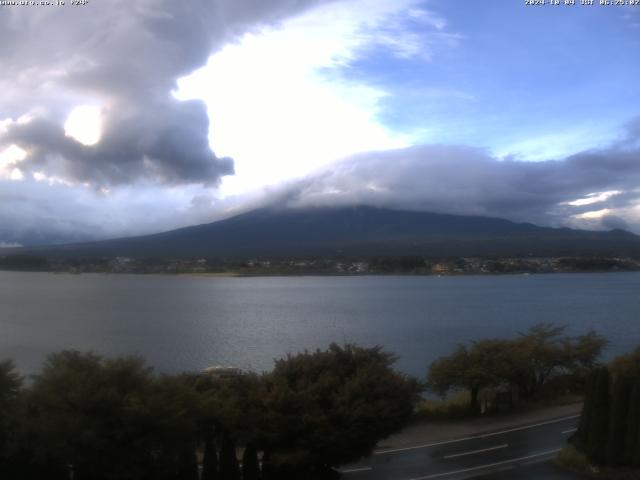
column 122, row 118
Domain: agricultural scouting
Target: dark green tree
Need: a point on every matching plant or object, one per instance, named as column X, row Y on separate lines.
column 187, row 464
column 331, row 407
column 618, row 417
column 234, row 405
column 10, row 383
column 609, row 429
column 267, row 470
column 111, row 419
column 210, row 457
column 10, row 415
column 628, row 364
column 632, row 442
column 405, row 264
column 229, row 468
column 587, row 414
column 250, row 464
column 525, row 364
column 171, row 415
column 597, row 429
column 83, row 406
column 549, row 352
column 24, row 262
column 463, row 369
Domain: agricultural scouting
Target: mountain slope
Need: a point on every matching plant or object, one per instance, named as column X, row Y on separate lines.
column 356, row 232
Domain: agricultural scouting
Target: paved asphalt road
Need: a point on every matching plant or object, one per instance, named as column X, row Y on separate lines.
column 514, row 453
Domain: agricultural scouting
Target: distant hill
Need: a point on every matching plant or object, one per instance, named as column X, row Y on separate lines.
column 357, row 232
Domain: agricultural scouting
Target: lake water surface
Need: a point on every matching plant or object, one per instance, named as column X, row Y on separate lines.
column 188, row 322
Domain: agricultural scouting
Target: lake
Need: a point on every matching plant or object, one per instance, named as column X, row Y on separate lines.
column 183, row 323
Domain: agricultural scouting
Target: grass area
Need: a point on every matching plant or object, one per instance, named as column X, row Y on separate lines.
column 456, row 406
column 573, row 459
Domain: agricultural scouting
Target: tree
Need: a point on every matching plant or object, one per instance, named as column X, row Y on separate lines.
column 23, row 262
column 233, row 405
column 628, row 364
column 471, row 369
column 10, row 383
column 111, row 419
column 331, row 407
column 210, row 457
column 85, row 410
column 632, row 444
column 583, row 351
column 549, row 352
column 233, row 410
column 587, row 414
column 10, row 389
column 169, row 419
column 609, row 430
column 187, row 464
column 250, row 464
column 618, row 416
column 229, row 468
column 398, row 264
column 526, row 363
column 596, row 430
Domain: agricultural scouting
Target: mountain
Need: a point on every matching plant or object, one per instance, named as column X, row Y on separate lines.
column 357, row 232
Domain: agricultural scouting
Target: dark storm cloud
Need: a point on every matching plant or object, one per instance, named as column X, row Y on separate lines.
column 463, row 180
column 125, row 57
column 167, row 142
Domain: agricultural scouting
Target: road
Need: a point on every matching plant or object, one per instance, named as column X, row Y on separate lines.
column 514, row 453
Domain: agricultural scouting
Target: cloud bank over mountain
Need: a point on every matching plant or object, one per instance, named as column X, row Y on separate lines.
column 581, row 190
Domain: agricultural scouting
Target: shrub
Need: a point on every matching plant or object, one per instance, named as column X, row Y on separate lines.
column 573, row 459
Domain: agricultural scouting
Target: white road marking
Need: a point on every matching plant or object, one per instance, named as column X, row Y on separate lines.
column 354, row 470
column 488, row 465
column 571, row 430
column 474, row 437
column 472, row 452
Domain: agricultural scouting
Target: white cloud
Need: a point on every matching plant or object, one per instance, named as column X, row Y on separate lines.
column 594, row 214
column 277, row 107
column 16, row 175
column 594, row 198
column 49, row 210
column 10, row 157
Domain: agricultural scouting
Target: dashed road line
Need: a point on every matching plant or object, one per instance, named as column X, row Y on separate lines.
column 358, row 469
column 473, row 452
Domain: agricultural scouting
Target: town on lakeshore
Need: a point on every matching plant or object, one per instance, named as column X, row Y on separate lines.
column 407, row 265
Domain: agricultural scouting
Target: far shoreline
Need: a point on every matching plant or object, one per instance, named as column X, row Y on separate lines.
column 317, row 274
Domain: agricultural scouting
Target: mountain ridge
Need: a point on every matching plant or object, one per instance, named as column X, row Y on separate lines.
column 356, row 231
